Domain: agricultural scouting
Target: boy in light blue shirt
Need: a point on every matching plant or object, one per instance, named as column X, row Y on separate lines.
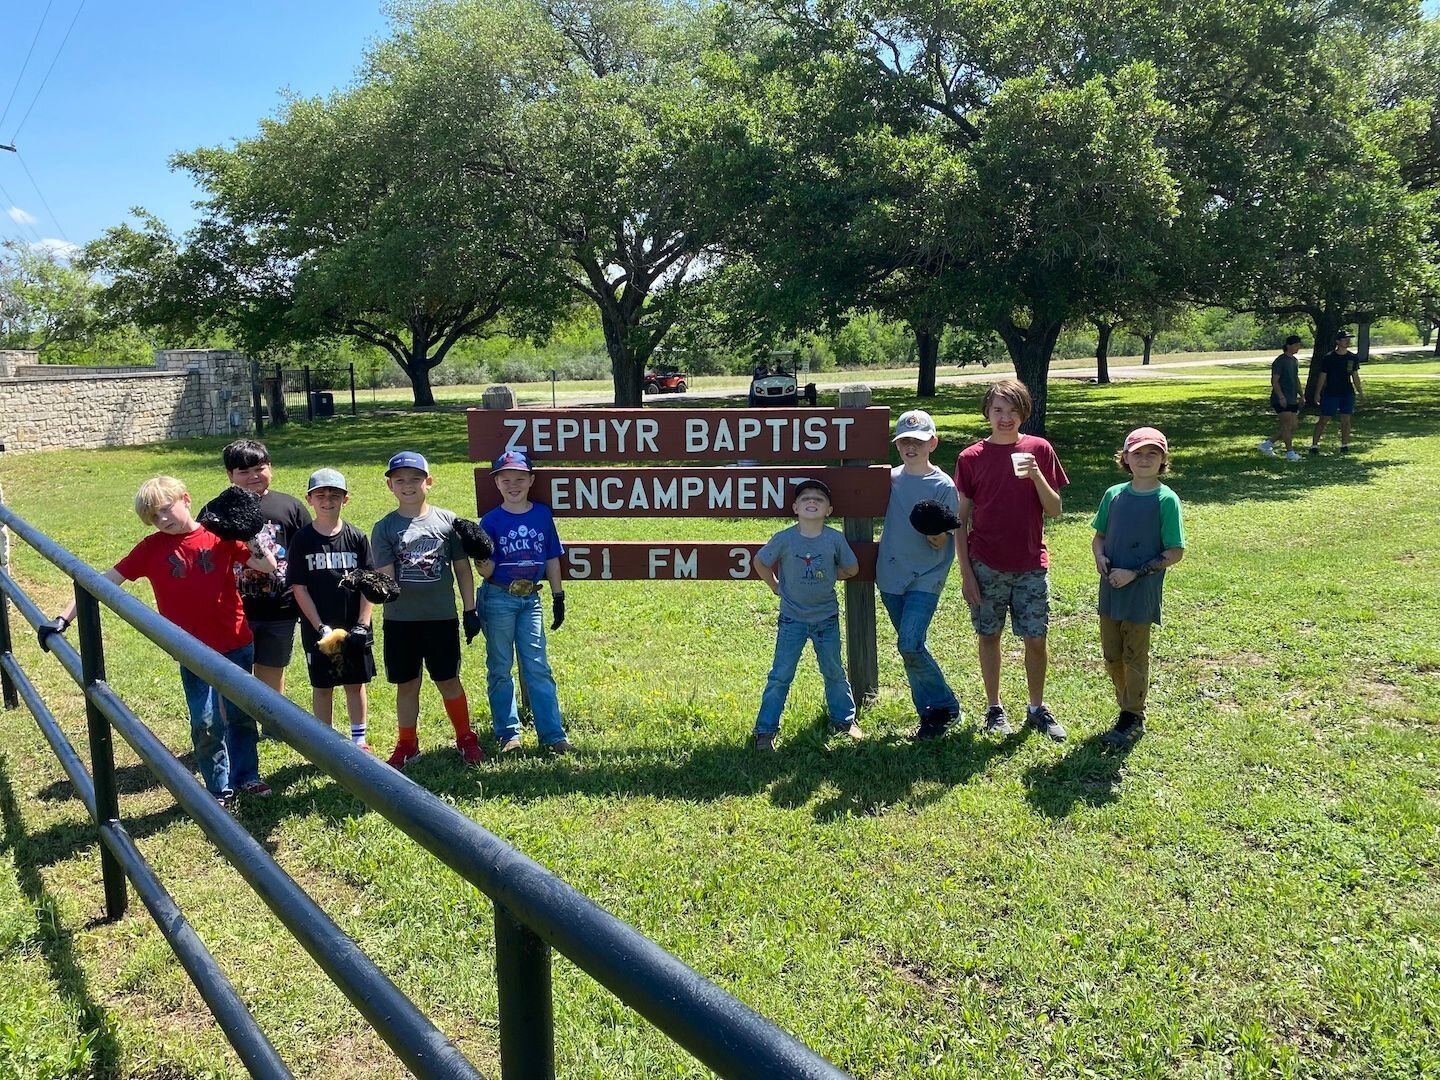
column 801, row 565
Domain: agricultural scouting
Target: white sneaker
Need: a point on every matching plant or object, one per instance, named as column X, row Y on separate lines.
column 1291, row 455
column 1267, row 447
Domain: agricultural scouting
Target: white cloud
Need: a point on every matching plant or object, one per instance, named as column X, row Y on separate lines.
column 21, row 217
column 60, row 249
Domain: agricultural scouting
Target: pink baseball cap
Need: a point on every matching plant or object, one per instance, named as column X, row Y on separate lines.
column 1146, row 436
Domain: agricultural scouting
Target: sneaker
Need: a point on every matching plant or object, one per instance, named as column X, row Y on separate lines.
column 1314, row 451
column 1344, row 448
column 1128, row 730
column 996, row 722
column 259, row 788
column 559, row 746
column 765, row 740
column 851, row 730
column 469, row 747
column 1291, row 455
column 363, row 745
column 1267, row 447
column 227, row 800
column 403, row 755
column 1042, row 719
column 933, row 723
column 510, row 745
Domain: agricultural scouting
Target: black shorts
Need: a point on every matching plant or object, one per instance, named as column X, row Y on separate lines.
column 1280, row 405
column 433, row 642
column 274, row 641
column 353, row 664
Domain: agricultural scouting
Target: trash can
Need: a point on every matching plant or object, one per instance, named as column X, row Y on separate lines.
column 322, row 403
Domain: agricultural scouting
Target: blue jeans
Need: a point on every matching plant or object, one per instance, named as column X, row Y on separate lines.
column 514, row 627
column 911, row 613
column 790, row 638
column 223, row 734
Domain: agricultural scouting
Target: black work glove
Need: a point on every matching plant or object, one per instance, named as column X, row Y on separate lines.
column 360, row 629
column 473, row 622
column 557, row 606
column 57, row 625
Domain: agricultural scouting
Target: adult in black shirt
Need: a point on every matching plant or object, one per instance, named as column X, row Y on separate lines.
column 269, row 604
column 1337, row 391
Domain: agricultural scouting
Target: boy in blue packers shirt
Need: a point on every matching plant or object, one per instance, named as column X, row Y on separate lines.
column 801, row 565
column 1139, row 533
column 527, row 549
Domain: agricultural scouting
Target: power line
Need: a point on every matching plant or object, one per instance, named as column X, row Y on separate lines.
column 49, row 70
column 14, row 89
column 43, row 201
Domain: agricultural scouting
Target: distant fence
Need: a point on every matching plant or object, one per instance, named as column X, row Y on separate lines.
column 302, row 393
column 534, row 910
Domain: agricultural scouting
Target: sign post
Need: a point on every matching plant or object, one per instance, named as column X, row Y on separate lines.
column 862, row 654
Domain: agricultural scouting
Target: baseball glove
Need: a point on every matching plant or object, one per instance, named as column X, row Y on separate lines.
column 473, row 539
column 376, row 587
column 932, row 518
column 234, row 514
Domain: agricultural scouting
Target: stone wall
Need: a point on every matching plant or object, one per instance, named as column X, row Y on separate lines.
column 189, row 392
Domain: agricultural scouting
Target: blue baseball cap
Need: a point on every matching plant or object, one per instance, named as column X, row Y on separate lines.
column 511, row 459
column 408, row 459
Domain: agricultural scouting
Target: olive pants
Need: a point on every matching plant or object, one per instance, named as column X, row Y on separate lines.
column 1126, row 647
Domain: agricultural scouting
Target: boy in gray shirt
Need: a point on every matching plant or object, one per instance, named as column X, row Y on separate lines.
column 911, row 569
column 801, row 565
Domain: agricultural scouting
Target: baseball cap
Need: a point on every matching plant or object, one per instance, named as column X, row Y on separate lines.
column 326, row 478
column 1293, row 339
column 1343, row 334
column 915, row 424
column 511, row 459
column 806, row 483
column 1146, row 436
column 408, row 459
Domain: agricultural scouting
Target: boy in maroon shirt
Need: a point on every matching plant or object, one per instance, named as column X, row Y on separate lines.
column 192, row 573
column 1009, row 484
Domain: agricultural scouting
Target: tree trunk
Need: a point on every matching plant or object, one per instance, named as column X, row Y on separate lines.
column 1362, row 347
column 420, row 382
column 1030, row 349
column 1327, row 325
column 1437, row 340
column 627, row 373
column 927, row 345
column 1102, row 352
column 1149, row 340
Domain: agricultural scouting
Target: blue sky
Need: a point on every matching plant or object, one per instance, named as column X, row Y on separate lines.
column 138, row 80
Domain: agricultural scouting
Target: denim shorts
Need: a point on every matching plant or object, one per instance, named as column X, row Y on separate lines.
column 1337, row 404
column 1025, row 595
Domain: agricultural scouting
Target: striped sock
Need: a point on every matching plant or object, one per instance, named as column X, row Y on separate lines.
column 357, row 732
column 458, row 709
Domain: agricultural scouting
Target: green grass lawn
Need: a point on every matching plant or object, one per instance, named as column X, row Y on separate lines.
column 1252, row 891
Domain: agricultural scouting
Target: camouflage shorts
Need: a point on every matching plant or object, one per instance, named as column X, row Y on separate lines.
column 1026, row 596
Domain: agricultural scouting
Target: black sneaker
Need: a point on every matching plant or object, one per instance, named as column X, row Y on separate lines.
column 1042, row 719
column 1129, row 729
column 765, row 741
column 933, row 723
column 228, row 801
column 1314, row 451
column 1344, row 448
column 996, row 722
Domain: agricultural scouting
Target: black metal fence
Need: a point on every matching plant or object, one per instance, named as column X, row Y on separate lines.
column 301, row 392
column 535, row 911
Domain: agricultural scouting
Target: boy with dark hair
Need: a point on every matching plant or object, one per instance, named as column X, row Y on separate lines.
column 801, row 565
column 1139, row 533
column 1285, row 399
column 192, row 572
column 1337, row 390
column 321, row 554
column 269, row 604
column 416, row 544
column 911, row 568
column 527, row 550
column 1009, row 484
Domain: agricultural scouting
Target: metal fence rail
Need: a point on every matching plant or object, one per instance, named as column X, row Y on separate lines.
column 534, row 910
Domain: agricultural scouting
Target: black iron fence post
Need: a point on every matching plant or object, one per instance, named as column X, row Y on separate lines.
column 527, row 1017
column 352, row 389
column 102, row 749
column 255, row 395
column 309, row 397
column 11, row 696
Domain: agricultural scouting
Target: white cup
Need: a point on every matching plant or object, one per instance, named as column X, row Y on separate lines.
column 1018, row 460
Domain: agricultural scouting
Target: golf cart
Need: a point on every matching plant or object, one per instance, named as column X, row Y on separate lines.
column 773, row 383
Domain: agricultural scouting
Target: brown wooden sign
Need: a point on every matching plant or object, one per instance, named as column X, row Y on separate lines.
column 675, row 560
column 695, row 492
column 649, row 435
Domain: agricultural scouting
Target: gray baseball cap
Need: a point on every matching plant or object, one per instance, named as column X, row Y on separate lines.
column 323, row 478
column 915, row 424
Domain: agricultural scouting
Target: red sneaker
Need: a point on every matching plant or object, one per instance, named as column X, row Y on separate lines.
column 469, row 747
column 402, row 755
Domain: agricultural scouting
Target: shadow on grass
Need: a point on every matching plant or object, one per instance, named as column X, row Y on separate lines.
column 56, row 941
column 1089, row 774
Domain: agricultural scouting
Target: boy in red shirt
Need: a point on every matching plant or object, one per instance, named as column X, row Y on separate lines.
column 1009, row 484
column 192, row 572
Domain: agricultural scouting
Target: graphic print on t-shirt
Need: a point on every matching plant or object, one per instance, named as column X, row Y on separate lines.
column 420, row 559
column 331, row 560
column 523, row 549
column 255, row 583
column 812, row 572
